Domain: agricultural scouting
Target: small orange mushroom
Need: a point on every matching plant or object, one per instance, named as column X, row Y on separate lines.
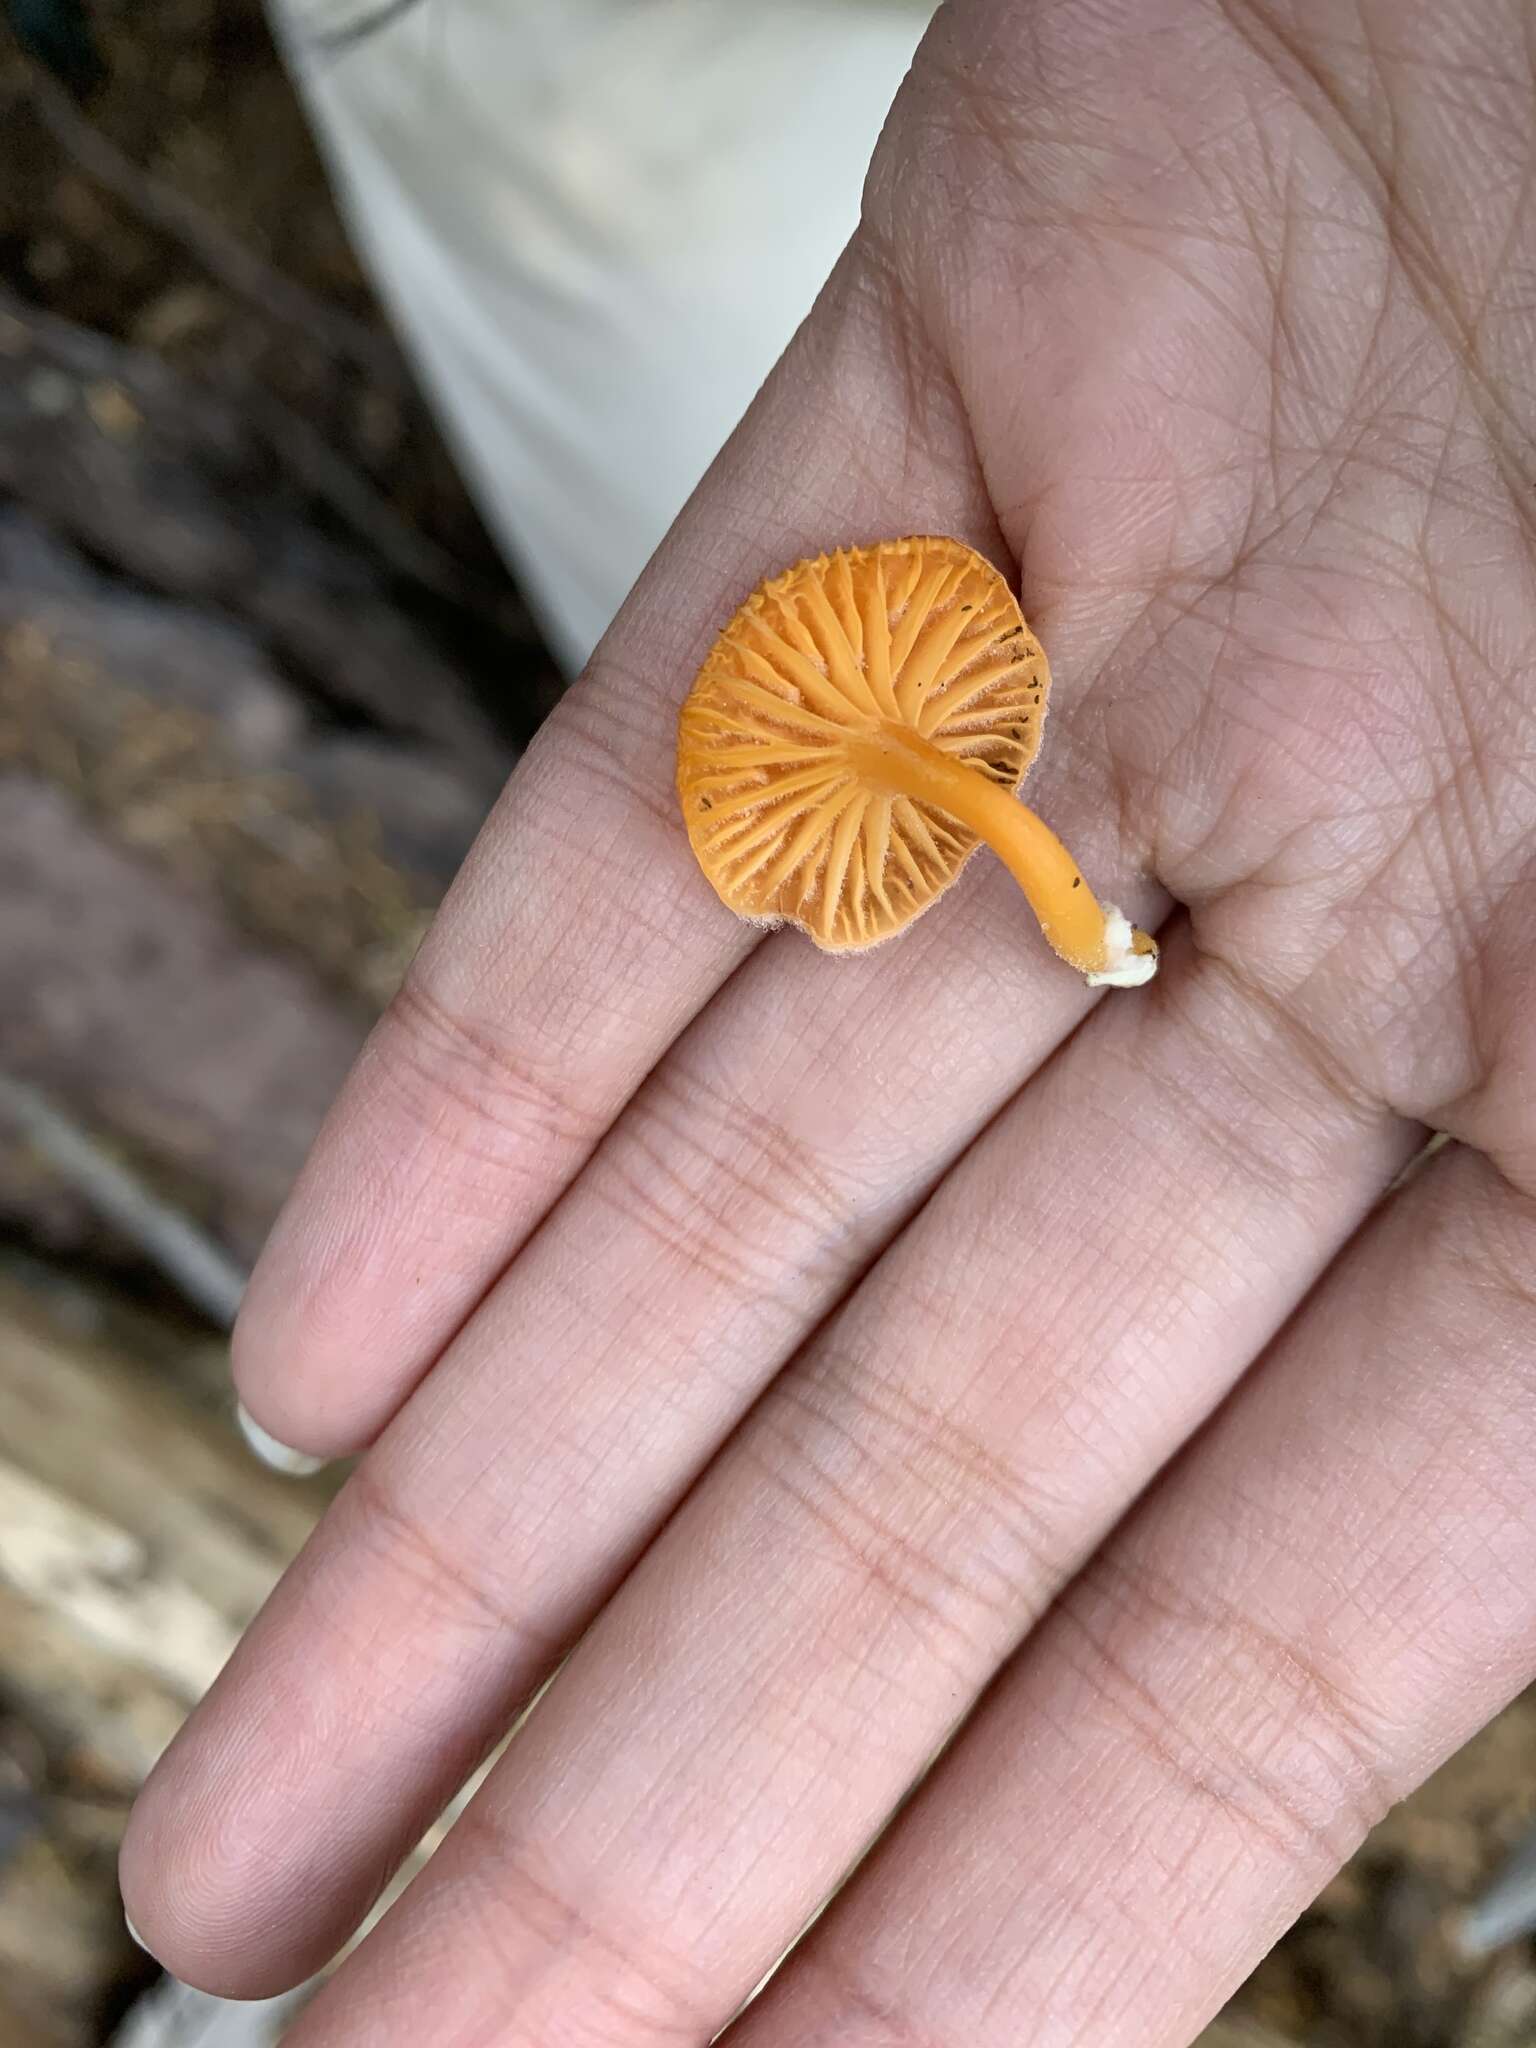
column 860, row 726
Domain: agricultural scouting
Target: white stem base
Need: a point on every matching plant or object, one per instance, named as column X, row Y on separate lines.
column 1126, row 968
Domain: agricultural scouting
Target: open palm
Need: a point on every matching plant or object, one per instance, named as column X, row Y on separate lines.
column 854, row 1337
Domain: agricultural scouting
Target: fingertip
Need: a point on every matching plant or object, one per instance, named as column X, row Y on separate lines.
column 200, row 1925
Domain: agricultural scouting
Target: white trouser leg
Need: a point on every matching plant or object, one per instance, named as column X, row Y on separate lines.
column 596, row 224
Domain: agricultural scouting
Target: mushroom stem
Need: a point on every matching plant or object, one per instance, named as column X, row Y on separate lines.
column 1096, row 939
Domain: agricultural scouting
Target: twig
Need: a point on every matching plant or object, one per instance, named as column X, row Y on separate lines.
column 202, row 1270
column 1507, row 1909
column 239, row 269
column 355, row 499
column 301, row 451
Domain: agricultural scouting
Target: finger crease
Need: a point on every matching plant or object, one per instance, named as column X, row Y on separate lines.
column 498, row 1088
column 408, row 1540
column 1257, row 1798
column 563, row 1929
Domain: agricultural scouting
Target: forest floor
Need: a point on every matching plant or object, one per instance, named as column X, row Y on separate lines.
column 261, row 671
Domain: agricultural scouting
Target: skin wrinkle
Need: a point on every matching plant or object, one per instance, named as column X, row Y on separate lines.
column 434, row 1566
column 596, row 856
column 568, row 1930
column 752, row 1162
column 1453, row 897
column 1412, row 243
column 1298, row 1839
column 1255, row 1158
column 618, row 744
column 940, row 1461
column 1083, row 1974
column 1363, row 428
column 367, row 1641
column 1092, row 1977
column 932, row 419
column 1348, row 465
column 430, row 1043
column 1513, row 1264
column 1286, row 1016
column 1133, row 1586
column 1279, row 1821
column 918, row 1586
column 1478, row 766
column 1389, row 1574
column 1381, row 875
column 896, row 2029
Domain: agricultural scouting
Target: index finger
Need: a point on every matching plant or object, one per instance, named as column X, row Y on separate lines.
column 580, row 938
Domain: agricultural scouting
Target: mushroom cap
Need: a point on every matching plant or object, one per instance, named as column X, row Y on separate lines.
column 921, row 633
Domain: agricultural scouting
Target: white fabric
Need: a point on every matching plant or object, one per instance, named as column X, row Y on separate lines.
column 596, row 224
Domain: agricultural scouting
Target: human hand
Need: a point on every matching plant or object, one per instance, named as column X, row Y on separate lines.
column 841, row 1324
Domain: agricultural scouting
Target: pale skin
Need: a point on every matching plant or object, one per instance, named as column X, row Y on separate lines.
column 832, row 1340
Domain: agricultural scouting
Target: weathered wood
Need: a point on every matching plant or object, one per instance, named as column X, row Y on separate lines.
column 137, row 1538
column 131, row 997
column 200, row 1270
column 101, row 1580
column 93, row 1429
column 182, row 489
column 205, row 891
column 170, row 723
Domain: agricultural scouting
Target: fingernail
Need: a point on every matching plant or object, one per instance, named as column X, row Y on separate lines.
column 295, row 1464
column 137, row 1939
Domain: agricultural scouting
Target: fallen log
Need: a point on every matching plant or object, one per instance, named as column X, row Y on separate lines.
column 137, row 1539
column 198, row 493
column 132, row 997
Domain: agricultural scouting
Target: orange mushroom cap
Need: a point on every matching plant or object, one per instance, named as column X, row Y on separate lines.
column 857, row 730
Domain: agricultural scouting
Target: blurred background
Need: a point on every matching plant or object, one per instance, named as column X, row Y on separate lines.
column 263, row 664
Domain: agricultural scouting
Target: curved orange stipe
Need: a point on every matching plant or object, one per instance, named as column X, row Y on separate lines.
column 859, row 727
